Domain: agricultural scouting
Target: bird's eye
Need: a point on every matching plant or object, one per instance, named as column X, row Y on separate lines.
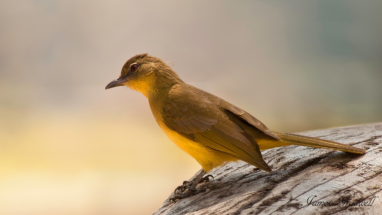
column 134, row 67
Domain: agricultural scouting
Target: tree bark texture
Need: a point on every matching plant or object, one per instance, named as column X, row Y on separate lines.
column 304, row 180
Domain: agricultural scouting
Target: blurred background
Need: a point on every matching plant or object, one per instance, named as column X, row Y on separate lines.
column 67, row 146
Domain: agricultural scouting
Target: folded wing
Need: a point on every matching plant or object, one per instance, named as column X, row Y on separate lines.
column 200, row 118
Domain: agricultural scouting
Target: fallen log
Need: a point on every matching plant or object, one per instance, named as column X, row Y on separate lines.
column 304, row 180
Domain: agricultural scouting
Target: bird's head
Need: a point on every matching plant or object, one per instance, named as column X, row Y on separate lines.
column 146, row 74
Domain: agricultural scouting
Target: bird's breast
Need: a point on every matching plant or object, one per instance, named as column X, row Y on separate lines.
column 191, row 147
column 205, row 156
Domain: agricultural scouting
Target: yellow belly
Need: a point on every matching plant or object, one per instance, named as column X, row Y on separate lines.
column 206, row 157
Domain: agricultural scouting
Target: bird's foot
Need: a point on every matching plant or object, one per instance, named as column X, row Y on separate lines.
column 189, row 191
column 183, row 187
column 188, row 188
column 188, row 184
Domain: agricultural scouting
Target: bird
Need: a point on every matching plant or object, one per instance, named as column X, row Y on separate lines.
column 208, row 128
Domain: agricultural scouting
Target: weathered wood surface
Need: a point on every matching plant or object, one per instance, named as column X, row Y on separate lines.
column 338, row 182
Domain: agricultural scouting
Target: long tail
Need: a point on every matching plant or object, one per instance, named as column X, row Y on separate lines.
column 294, row 139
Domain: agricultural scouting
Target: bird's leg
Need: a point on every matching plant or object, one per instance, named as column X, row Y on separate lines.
column 196, row 180
column 190, row 184
column 187, row 184
column 188, row 187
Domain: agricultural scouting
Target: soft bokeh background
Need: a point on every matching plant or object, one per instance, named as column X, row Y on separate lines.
column 67, row 146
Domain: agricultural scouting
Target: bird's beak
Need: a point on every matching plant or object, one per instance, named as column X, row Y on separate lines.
column 115, row 83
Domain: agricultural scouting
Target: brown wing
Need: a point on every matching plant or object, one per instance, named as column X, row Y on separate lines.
column 243, row 115
column 196, row 116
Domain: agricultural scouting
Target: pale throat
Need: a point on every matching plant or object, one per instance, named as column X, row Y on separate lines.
column 144, row 86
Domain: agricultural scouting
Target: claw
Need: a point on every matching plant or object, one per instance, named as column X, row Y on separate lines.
column 187, row 193
column 188, row 188
column 177, row 197
column 173, row 199
column 206, row 178
column 186, row 184
column 181, row 188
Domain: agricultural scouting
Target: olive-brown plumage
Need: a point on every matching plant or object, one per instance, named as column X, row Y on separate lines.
column 205, row 126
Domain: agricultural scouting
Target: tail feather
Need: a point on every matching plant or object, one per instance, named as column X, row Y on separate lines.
column 295, row 139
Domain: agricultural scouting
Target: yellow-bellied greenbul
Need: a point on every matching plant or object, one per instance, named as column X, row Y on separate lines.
column 205, row 126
